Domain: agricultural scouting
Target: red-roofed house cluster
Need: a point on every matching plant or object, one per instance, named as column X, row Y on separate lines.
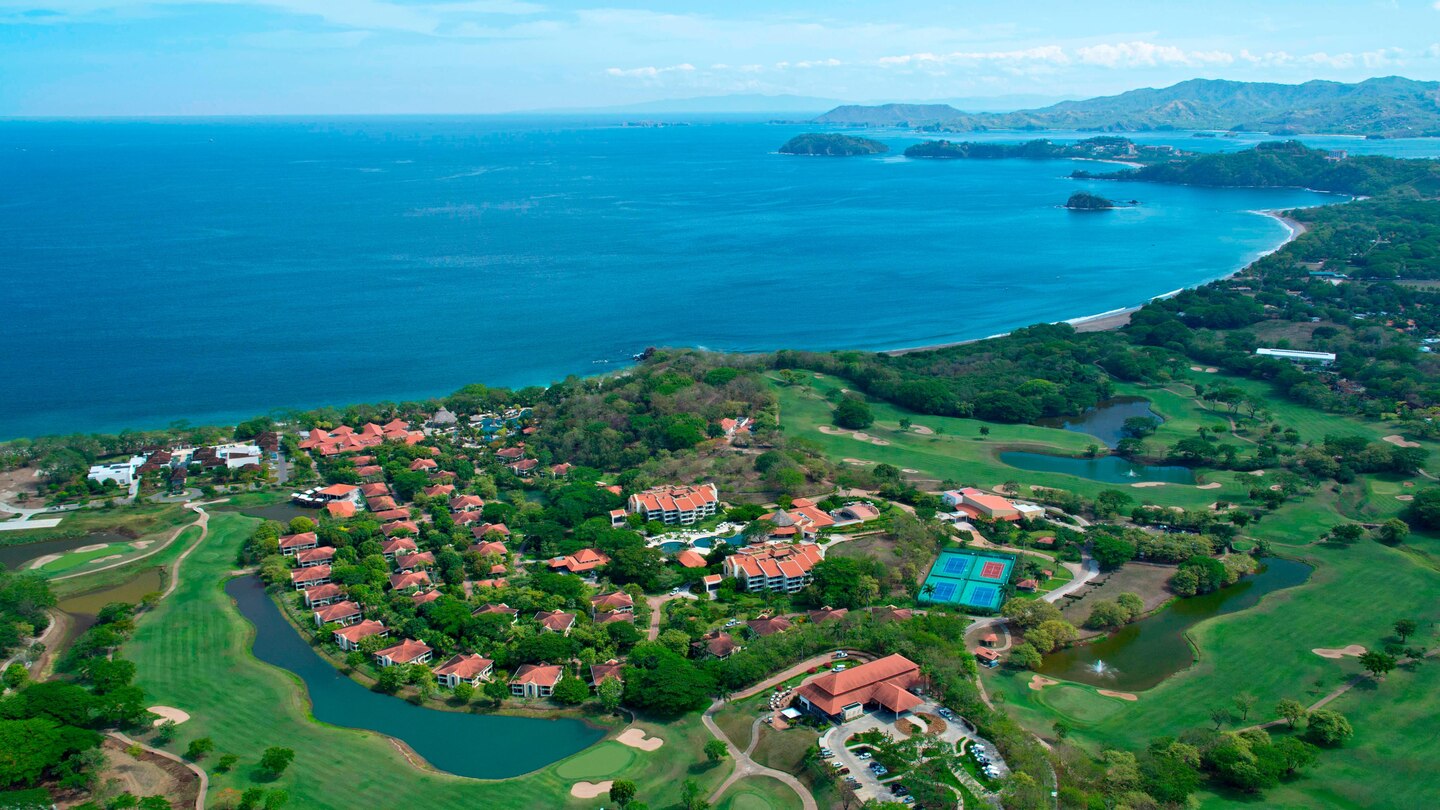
column 676, row 505
column 782, row 567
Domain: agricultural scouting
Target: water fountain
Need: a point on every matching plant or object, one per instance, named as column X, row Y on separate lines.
column 1130, row 473
column 1099, row 668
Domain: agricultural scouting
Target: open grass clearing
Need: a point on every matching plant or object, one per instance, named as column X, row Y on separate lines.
column 759, row 793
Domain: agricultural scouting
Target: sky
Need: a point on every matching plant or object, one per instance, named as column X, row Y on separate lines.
column 297, row 57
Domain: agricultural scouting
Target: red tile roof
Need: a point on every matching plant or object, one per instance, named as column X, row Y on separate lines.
column 439, row 490
column 400, row 526
column 768, row 626
column 360, row 630
column 586, row 559
column 312, row 574
column 614, row 600
column 555, row 621
column 405, row 652
column 606, row 671
column 377, row 488
column 467, row 502
column 465, row 667
column 483, row 529
column 885, row 681
column 340, row 509
column 297, row 540
column 671, row 499
column 337, row 612
column 413, row 579
column 311, row 555
column 539, row 674
column 690, row 559
column 424, row 598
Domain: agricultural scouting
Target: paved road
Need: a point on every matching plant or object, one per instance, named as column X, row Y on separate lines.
column 745, row 766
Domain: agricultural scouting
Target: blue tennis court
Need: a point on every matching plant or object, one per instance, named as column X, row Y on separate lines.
column 968, row 579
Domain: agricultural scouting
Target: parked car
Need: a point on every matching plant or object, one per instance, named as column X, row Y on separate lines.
column 863, row 755
column 841, row 654
column 838, row 668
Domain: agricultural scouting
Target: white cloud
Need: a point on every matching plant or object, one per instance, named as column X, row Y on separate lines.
column 649, row 72
column 1147, row 54
column 1046, row 53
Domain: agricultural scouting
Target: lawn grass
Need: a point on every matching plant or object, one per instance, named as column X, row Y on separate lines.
column 131, row 521
column 784, row 750
column 193, row 652
column 71, row 560
column 759, row 793
column 957, row 451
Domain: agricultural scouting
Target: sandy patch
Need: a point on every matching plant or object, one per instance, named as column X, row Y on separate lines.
column 635, row 738
column 1121, row 695
column 857, row 461
column 1211, row 485
column 880, row 442
column 169, row 713
column 1215, row 507
column 141, row 543
column 1399, row 441
column 1038, row 682
column 1353, row 650
column 908, row 470
column 107, row 558
column 40, row 562
column 1275, row 487
column 819, row 376
column 593, row 790
column 922, row 430
column 1144, row 484
column 84, row 549
column 1406, row 498
column 1204, row 369
column 1407, row 484
column 1257, row 473
column 832, row 431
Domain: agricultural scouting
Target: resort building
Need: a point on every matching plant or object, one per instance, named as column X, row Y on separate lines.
column 828, row 614
column 341, row 613
column 293, row 543
column 711, row 583
column 472, row 669
column 977, row 503
column 501, row 609
column 583, row 562
column 719, row 644
column 322, row 595
column 411, row 581
column 612, row 602
column 307, row 578
column 768, row 626
column 399, row 545
column 1303, row 358
column 408, row 651
column 554, row 621
column 535, row 680
column 858, row 512
column 884, row 683
column 804, row 519
column 676, row 505
column 349, row 638
column 311, row 557
column 617, row 518
column 783, row 568
column 122, row 473
column 606, row 671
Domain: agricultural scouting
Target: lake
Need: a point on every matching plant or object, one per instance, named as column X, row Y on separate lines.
column 84, row 607
column 482, row 746
column 1109, row 469
column 1105, row 421
column 1141, row 655
column 601, row 239
column 17, row 557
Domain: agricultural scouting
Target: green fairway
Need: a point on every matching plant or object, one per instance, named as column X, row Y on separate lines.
column 601, row 761
column 75, row 559
column 193, row 652
column 759, row 793
column 956, row 450
column 1078, row 703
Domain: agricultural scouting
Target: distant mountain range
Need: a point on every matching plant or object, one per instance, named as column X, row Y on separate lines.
column 739, row 103
column 1391, row 106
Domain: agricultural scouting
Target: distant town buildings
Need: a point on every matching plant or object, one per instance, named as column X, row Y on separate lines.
column 1294, row 356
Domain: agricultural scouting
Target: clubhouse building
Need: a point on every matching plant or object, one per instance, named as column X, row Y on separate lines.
column 884, row 683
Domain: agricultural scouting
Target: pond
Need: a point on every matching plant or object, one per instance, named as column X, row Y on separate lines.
column 1105, row 421
column 1141, row 655
column 281, row 512
column 82, row 608
column 709, row 542
column 673, row 546
column 1108, row 469
column 17, row 557
column 481, row 746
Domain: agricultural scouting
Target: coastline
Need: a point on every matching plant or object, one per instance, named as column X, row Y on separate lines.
column 1117, row 318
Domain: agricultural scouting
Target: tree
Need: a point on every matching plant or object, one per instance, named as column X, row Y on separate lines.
column 275, row 760
column 716, row 750
column 660, row 681
column 1328, row 728
column 225, row 763
column 1111, row 552
column 198, row 748
column 1404, row 628
column 853, row 413
column 464, row 691
column 1377, row 663
column 571, row 691
column 16, row 675
column 1244, row 702
column 276, row 799
column 251, row 798
column 497, row 690
column 1425, row 508
column 1393, row 532
column 154, row 803
column 622, row 792
column 1292, row 710
column 1219, row 716
column 693, row 795
column 1025, row 655
column 610, row 691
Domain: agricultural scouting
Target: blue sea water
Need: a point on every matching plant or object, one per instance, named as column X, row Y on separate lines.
column 215, row 269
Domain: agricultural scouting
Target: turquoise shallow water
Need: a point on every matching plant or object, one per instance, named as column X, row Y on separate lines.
column 212, row 270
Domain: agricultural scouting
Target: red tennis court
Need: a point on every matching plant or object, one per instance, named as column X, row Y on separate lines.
column 992, row 570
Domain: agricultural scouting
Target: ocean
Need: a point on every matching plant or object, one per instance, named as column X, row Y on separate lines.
column 212, row 270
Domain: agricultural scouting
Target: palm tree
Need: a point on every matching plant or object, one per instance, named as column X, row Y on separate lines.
column 928, row 590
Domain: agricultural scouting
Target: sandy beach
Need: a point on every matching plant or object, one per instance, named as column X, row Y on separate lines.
column 1115, row 319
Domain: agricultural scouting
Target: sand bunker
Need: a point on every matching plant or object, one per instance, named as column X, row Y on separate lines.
column 635, row 738
column 106, row 559
column 857, row 461
column 1205, row 369
column 1121, row 695
column 141, row 543
column 922, row 430
column 169, row 713
column 832, row 431
column 909, row 470
column 1399, row 441
column 1211, row 485
column 1406, row 498
column 1257, row 473
column 41, row 562
column 94, row 547
column 1354, row 650
column 1275, row 487
column 1143, row 484
column 592, row 790
column 1038, row 682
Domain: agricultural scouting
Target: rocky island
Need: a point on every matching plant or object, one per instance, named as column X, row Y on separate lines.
column 831, row 145
column 1085, row 201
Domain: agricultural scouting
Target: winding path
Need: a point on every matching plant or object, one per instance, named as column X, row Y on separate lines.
column 203, row 522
